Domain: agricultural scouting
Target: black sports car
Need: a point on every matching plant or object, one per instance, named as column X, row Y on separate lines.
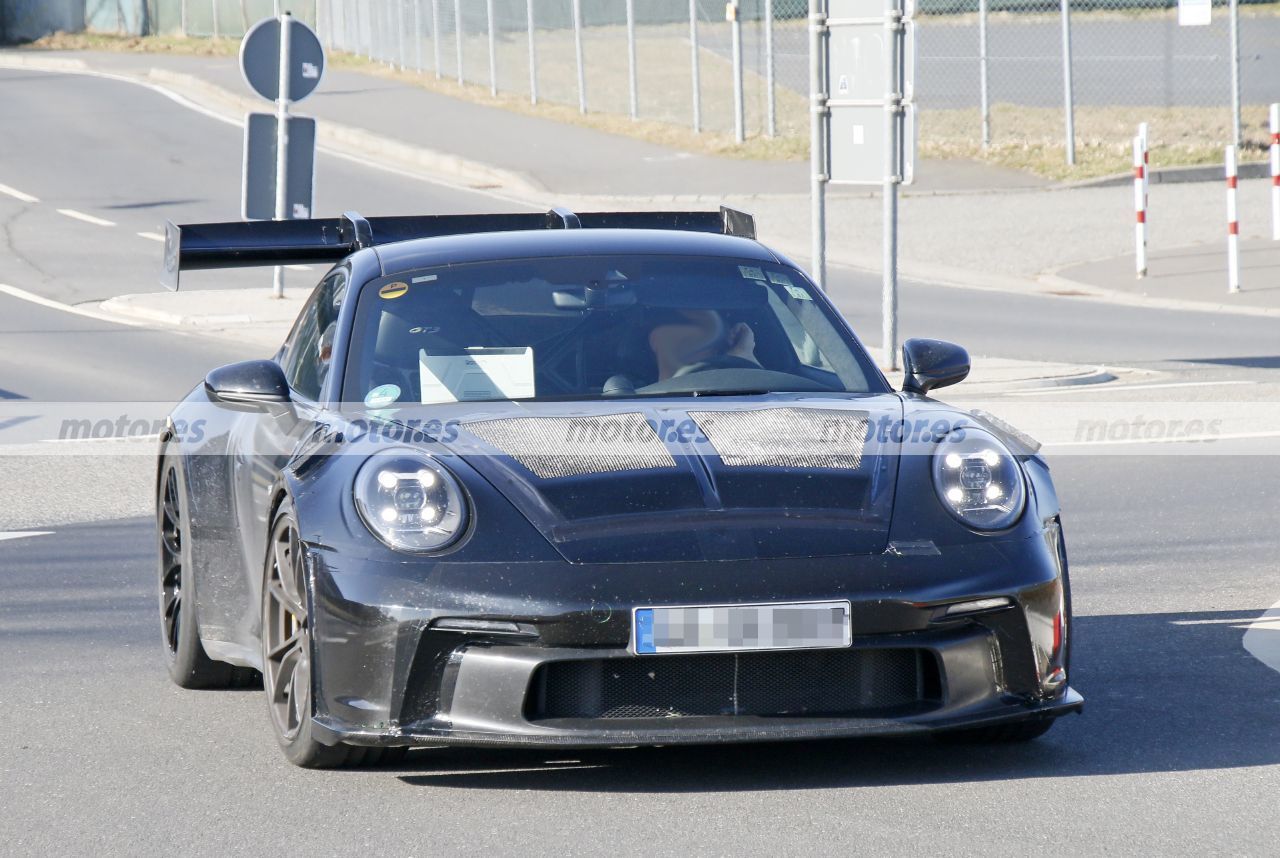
column 595, row 480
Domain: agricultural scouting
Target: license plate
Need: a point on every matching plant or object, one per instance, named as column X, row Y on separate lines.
column 731, row 628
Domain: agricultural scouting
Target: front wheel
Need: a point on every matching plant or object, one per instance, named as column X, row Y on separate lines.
column 286, row 657
column 189, row 665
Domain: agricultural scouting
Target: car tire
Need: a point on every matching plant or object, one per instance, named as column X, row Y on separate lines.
column 189, row 665
column 286, row 658
column 1013, row 733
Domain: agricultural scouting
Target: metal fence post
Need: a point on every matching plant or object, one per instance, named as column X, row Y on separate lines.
column 577, row 48
column 771, row 97
column 457, row 35
column 735, row 26
column 1068, row 100
column 400, row 28
column 182, row 12
column 631, row 59
column 417, row 34
column 695, row 67
column 533, row 56
column 213, row 5
column 982, row 73
column 1235, row 72
column 817, row 144
column 435, row 35
column 493, row 52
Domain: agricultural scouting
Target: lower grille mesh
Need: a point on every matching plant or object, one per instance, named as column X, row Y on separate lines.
column 802, row 683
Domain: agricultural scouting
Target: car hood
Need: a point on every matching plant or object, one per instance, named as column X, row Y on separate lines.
column 693, row 478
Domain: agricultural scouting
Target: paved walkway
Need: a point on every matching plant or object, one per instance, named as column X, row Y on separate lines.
column 1196, row 273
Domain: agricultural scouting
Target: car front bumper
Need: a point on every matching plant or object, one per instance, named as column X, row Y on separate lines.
column 387, row 670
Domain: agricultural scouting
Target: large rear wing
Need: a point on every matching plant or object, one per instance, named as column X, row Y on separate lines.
column 325, row 240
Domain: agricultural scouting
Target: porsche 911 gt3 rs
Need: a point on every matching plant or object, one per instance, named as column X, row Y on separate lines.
column 595, row 480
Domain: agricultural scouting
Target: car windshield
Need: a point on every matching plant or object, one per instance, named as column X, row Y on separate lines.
column 595, row 327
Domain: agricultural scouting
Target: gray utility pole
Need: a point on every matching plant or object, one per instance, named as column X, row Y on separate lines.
column 282, row 140
column 817, row 141
column 893, row 109
column 1068, row 99
column 1235, row 73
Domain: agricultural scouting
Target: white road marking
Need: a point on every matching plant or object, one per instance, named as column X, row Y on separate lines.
column 1262, row 640
column 153, row 236
column 87, row 218
column 1189, row 439
column 17, row 194
column 22, row 534
column 148, row 438
column 24, row 295
column 1121, row 388
column 298, row 267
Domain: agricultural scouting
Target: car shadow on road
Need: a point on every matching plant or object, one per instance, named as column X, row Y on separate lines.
column 1164, row 692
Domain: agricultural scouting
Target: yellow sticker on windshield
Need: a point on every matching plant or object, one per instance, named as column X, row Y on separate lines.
column 393, row 290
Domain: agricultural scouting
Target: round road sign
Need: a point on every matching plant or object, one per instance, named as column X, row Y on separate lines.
column 260, row 59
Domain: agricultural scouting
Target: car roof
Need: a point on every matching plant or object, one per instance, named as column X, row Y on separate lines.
column 403, row 256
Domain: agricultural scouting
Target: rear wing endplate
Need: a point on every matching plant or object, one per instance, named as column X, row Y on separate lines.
column 240, row 244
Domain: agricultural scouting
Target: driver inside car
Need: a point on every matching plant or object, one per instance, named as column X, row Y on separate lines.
column 687, row 341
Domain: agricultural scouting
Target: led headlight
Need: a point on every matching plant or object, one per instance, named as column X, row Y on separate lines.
column 410, row 501
column 978, row 479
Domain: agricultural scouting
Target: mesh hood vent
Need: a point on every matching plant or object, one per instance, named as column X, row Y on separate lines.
column 786, row 437
column 554, row 447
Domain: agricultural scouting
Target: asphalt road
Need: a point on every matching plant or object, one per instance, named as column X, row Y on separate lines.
column 1172, row 557
column 1115, row 60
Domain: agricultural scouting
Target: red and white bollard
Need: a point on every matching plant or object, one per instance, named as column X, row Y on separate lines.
column 1275, row 172
column 1233, row 225
column 1140, row 207
column 1146, row 181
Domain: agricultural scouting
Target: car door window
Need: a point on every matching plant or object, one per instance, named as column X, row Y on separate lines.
column 310, row 348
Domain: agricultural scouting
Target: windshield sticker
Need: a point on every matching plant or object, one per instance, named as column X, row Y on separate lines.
column 478, row 373
column 750, row 272
column 780, row 278
column 393, row 290
column 798, row 293
column 382, row 396
column 425, row 278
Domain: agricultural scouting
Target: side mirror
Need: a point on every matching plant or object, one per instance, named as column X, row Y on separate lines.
column 252, row 385
column 932, row 363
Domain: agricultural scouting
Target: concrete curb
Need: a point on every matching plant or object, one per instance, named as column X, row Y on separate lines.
column 1115, row 296
column 1174, row 176
column 359, row 143
column 123, row 306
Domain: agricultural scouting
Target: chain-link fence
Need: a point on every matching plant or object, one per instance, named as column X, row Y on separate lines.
column 990, row 73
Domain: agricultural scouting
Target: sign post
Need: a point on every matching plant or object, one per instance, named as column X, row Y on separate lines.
column 282, row 142
column 870, row 135
column 282, row 60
